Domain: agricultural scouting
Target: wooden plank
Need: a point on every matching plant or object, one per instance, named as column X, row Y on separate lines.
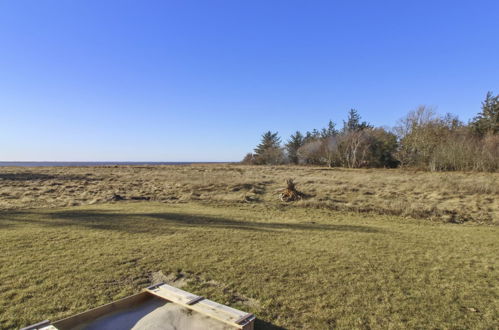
column 173, row 294
column 45, row 325
column 92, row 314
column 195, row 300
column 231, row 316
column 226, row 314
column 37, row 326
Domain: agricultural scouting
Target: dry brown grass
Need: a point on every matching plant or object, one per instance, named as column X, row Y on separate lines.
column 455, row 197
column 223, row 232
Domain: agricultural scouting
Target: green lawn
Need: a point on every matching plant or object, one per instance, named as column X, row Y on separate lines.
column 293, row 267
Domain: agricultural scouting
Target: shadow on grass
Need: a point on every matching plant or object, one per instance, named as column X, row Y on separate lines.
column 262, row 325
column 28, row 176
column 162, row 223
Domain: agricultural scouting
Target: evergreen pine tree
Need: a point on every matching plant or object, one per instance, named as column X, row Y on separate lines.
column 353, row 122
column 487, row 121
column 269, row 150
column 330, row 130
column 294, row 143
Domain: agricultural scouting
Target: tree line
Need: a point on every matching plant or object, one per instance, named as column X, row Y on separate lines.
column 422, row 139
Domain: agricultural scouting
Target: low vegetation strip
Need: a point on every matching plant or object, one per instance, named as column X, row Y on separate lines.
column 293, row 267
column 451, row 196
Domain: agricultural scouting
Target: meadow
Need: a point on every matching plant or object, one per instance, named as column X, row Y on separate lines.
column 441, row 196
column 367, row 249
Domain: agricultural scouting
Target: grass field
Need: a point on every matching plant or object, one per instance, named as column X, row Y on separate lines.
column 342, row 258
column 451, row 197
column 293, row 267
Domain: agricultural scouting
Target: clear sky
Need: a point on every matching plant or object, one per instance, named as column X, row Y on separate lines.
column 184, row 80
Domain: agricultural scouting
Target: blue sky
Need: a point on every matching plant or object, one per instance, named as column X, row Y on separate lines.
column 201, row 80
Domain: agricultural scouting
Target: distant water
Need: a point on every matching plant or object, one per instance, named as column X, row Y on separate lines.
column 34, row 164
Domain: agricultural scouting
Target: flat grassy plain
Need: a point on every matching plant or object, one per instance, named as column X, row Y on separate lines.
column 217, row 232
column 449, row 196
